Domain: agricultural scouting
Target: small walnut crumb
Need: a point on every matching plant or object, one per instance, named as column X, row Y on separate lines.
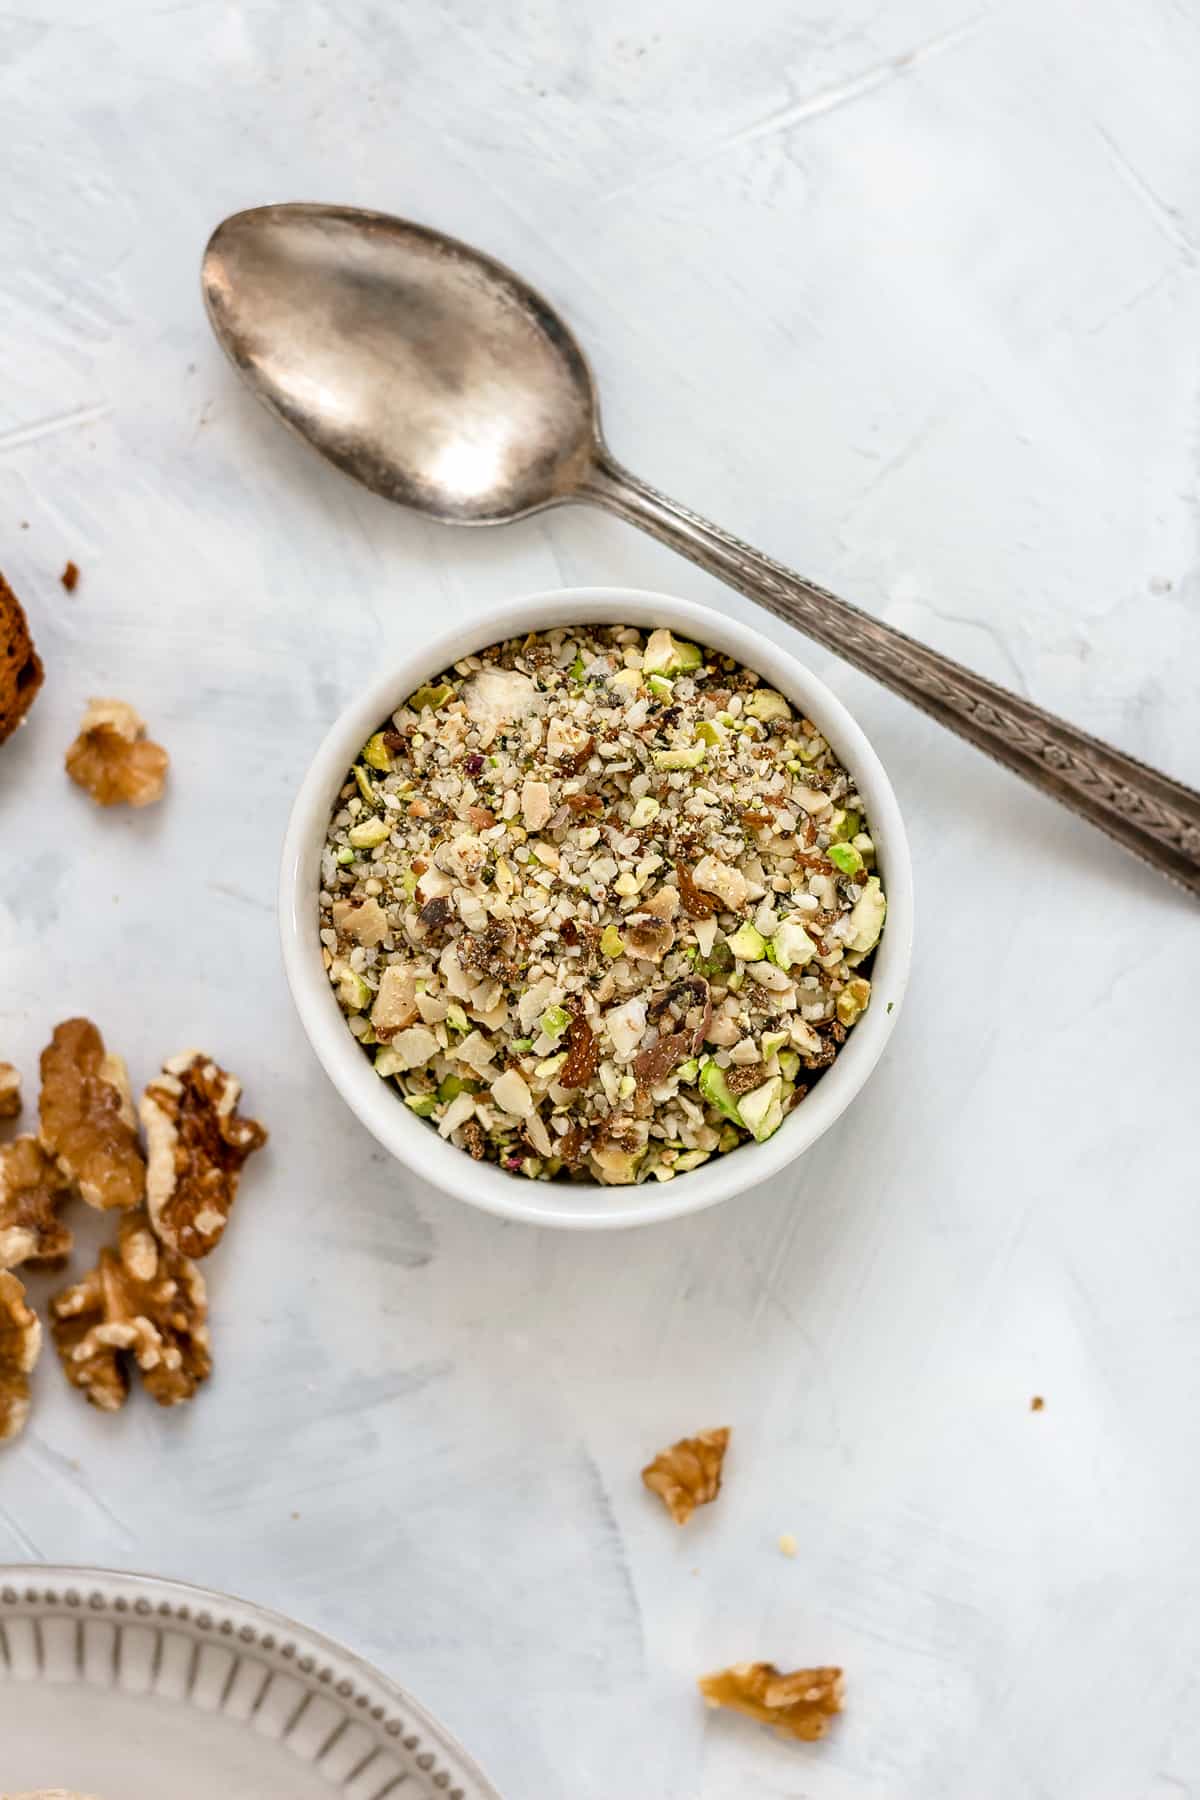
column 788, row 1544
column 1037, row 1404
column 87, row 1117
column 799, row 1705
column 197, row 1142
column 113, row 758
column 143, row 1299
column 10, row 1092
column 20, row 1345
column 32, row 1187
column 70, row 577
column 688, row 1475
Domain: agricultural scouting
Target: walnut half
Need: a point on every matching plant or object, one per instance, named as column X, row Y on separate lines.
column 87, row 1117
column 142, row 1299
column 799, row 1705
column 112, row 758
column 688, row 1475
column 198, row 1142
column 32, row 1187
column 20, row 1345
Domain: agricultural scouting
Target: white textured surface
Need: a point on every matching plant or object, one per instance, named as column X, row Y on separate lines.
column 907, row 295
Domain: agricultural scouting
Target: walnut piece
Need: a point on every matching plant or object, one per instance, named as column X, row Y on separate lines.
column 113, row 758
column 688, row 1475
column 799, row 1705
column 141, row 1298
column 20, row 1345
column 10, row 1092
column 87, row 1117
column 197, row 1142
column 32, row 1187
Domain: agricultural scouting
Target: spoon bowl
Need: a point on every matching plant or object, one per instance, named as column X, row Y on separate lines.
column 426, row 371
column 436, row 377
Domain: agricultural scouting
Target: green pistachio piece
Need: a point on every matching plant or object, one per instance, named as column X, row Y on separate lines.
column 366, row 786
column 369, row 834
column 691, row 1159
column 611, row 941
column 687, row 657
column 680, row 759
column 766, row 704
column 451, row 1086
column 576, row 670
column 345, row 855
column 660, row 687
column 521, row 1045
column 430, row 696
column 843, row 856
column 388, row 1061
column 711, row 731
column 844, row 825
column 688, row 1071
column 548, row 1068
column 762, row 1110
column 354, row 996
column 422, row 1104
column 456, row 1018
column 789, row 1064
column 773, row 1041
column 716, row 1091
column 376, row 753
column 554, row 1021
column 748, row 943
column 867, row 916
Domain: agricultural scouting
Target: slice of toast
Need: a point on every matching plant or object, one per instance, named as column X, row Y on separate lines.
column 20, row 664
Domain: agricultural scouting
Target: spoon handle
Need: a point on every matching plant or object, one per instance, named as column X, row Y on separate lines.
column 1155, row 817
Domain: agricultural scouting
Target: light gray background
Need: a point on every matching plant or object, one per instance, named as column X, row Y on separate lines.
column 908, row 295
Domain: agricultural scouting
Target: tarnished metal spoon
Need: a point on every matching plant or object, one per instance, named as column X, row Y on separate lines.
column 436, row 377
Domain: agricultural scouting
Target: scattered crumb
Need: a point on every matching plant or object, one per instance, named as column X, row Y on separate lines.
column 788, row 1544
column 1037, row 1404
column 295, row 1515
column 70, row 577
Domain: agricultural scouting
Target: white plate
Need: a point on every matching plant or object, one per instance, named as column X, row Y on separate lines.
column 131, row 1688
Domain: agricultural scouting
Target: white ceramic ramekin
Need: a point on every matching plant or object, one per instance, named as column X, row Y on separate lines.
column 584, row 1205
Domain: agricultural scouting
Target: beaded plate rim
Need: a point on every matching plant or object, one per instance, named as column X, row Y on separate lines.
column 319, row 1662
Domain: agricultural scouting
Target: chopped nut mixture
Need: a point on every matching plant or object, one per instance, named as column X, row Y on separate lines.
column 799, row 1705
column 141, row 1299
column 688, row 1475
column 600, row 904
column 32, row 1188
column 87, row 1117
column 197, row 1142
column 20, row 1346
column 113, row 759
column 10, row 1092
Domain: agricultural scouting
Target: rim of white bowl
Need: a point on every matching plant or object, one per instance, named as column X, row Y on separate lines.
column 586, row 1205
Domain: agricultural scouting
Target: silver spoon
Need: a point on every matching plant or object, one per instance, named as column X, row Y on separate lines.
column 436, row 377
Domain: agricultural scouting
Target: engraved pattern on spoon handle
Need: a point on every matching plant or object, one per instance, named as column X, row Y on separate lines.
column 1149, row 813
